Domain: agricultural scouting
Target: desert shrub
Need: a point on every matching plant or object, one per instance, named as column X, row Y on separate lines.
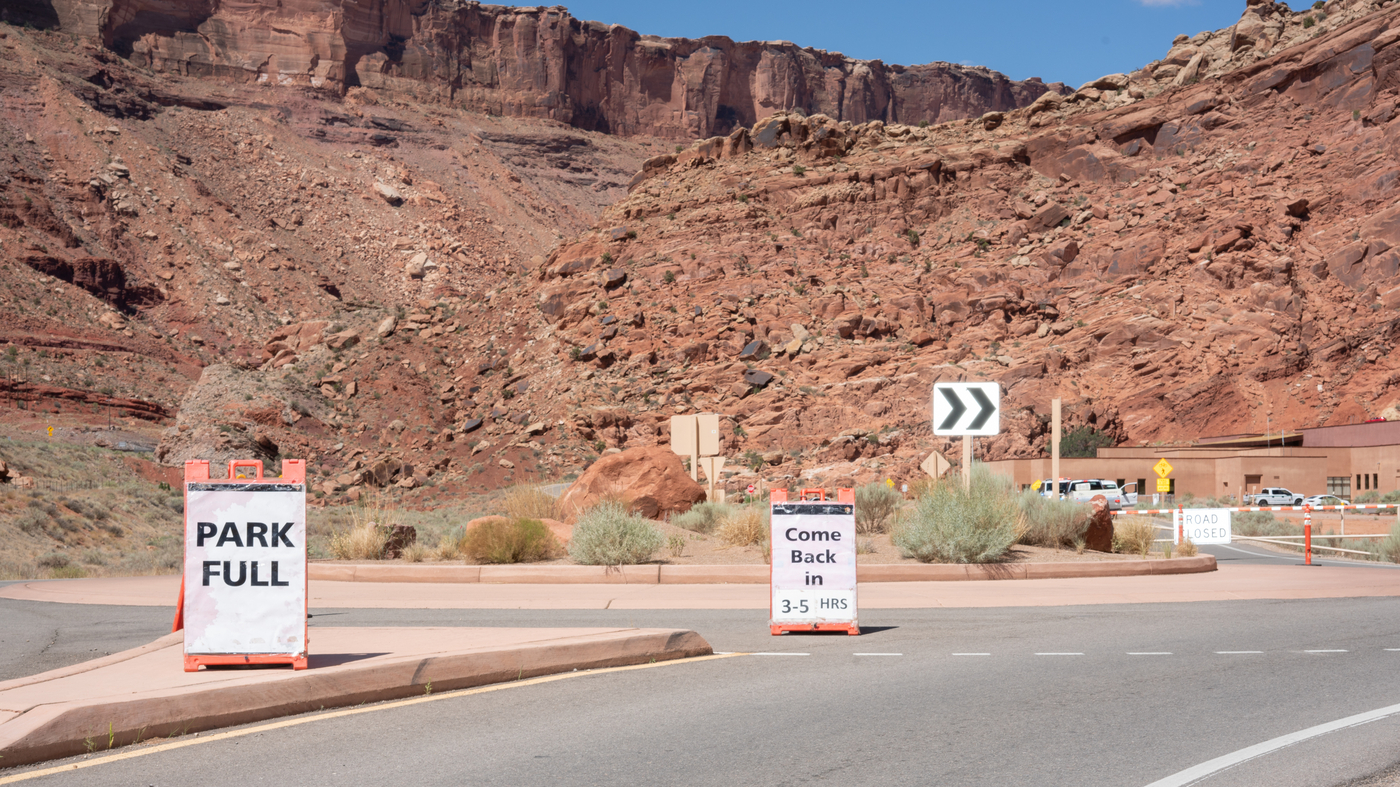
column 528, row 502
column 362, row 542
column 53, row 560
column 1368, row 497
column 416, row 552
column 1262, row 523
column 675, row 545
column 876, row 504
column 744, row 526
column 702, row 517
column 1187, row 548
column 608, row 534
column 953, row 525
column 510, row 541
column 1084, row 441
column 1389, row 548
column 1133, row 535
column 68, row 572
column 32, row 521
column 1391, row 497
column 1053, row 523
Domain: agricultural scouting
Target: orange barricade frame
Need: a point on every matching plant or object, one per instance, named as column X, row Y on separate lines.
column 197, row 471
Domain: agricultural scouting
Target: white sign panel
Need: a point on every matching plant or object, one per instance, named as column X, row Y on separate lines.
column 245, row 568
column 1202, row 525
column 966, row 409
column 814, row 564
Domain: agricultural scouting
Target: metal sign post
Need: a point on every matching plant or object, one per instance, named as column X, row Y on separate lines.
column 243, row 596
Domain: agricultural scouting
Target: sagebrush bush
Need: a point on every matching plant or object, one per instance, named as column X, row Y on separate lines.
column 1187, row 548
column 702, row 517
column 744, row 526
column 1053, row 523
column 1133, row 535
column 876, row 505
column 510, row 541
column 1262, row 523
column 610, row 535
column 1391, row 497
column 416, row 552
column 1389, row 548
column 528, row 502
column 951, row 525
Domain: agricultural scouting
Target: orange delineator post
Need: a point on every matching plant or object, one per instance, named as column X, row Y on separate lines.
column 1307, row 535
column 293, row 472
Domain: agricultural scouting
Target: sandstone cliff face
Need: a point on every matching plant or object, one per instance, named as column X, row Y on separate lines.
column 533, row 62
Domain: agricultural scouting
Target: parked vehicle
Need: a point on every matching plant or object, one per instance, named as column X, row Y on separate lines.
column 1084, row 490
column 1274, row 496
column 1130, row 494
column 1325, row 500
column 1047, row 487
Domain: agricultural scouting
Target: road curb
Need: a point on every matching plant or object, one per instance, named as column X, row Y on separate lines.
column 652, row 574
column 49, row 731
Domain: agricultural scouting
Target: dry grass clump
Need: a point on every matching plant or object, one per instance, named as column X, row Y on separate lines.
column 1389, row 548
column 952, row 525
column 510, row 541
column 362, row 542
column 743, row 527
column 1053, row 523
column 416, row 552
column 876, row 505
column 608, row 534
column 1187, row 548
column 1133, row 535
column 528, row 502
column 365, row 539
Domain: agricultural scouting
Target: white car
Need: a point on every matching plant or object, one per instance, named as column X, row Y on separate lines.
column 1325, row 500
column 1084, row 490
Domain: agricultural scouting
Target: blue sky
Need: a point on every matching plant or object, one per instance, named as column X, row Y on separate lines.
column 1071, row 41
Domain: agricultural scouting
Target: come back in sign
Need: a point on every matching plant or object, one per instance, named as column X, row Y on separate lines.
column 245, row 569
column 813, row 567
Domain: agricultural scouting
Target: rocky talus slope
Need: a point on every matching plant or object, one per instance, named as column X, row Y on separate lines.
column 409, row 293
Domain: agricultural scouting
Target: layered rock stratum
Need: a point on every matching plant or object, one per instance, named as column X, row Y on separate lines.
column 531, row 62
column 410, row 292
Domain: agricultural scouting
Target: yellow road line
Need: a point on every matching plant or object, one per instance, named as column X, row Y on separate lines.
column 277, row 725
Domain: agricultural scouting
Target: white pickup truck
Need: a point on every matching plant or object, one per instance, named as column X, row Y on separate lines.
column 1274, row 496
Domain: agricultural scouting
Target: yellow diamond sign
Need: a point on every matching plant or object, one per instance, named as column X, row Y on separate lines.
column 1162, row 468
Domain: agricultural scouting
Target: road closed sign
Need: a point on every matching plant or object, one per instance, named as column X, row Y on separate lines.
column 813, row 567
column 245, row 570
column 1201, row 525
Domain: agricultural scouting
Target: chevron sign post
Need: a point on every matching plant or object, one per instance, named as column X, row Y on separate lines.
column 966, row 410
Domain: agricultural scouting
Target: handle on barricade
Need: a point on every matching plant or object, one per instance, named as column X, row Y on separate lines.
column 255, row 464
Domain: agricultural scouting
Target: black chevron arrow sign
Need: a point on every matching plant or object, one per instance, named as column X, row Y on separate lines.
column 966, row 409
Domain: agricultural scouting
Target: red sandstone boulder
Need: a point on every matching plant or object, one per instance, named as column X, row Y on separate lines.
column 651, row 478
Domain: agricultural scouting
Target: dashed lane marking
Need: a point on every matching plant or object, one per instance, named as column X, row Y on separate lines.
column 877, row 654
column 972, row 654
column 780, row 654
column 1059, row 654
column 1324, row 651
column 1150, row 653
column 1236, row 652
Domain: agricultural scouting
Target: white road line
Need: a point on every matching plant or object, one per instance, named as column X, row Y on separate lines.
column 780, row 654
column 1324, row 651
column 1059, row 654
column 972, row 654
column 1235, row 652
column 877, row 654
column 1393, row 650
column 1198, row 772
column 1151, row 653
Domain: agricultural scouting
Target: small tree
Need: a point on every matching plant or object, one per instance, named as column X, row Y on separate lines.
column 1084, row 441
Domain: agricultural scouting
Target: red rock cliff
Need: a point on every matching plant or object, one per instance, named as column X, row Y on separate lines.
column 533, row 62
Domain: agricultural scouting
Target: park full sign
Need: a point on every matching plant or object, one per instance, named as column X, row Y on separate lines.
column 245, row 582
column 813, row 585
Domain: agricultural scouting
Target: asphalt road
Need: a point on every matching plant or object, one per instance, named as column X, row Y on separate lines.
column 1102, row 695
